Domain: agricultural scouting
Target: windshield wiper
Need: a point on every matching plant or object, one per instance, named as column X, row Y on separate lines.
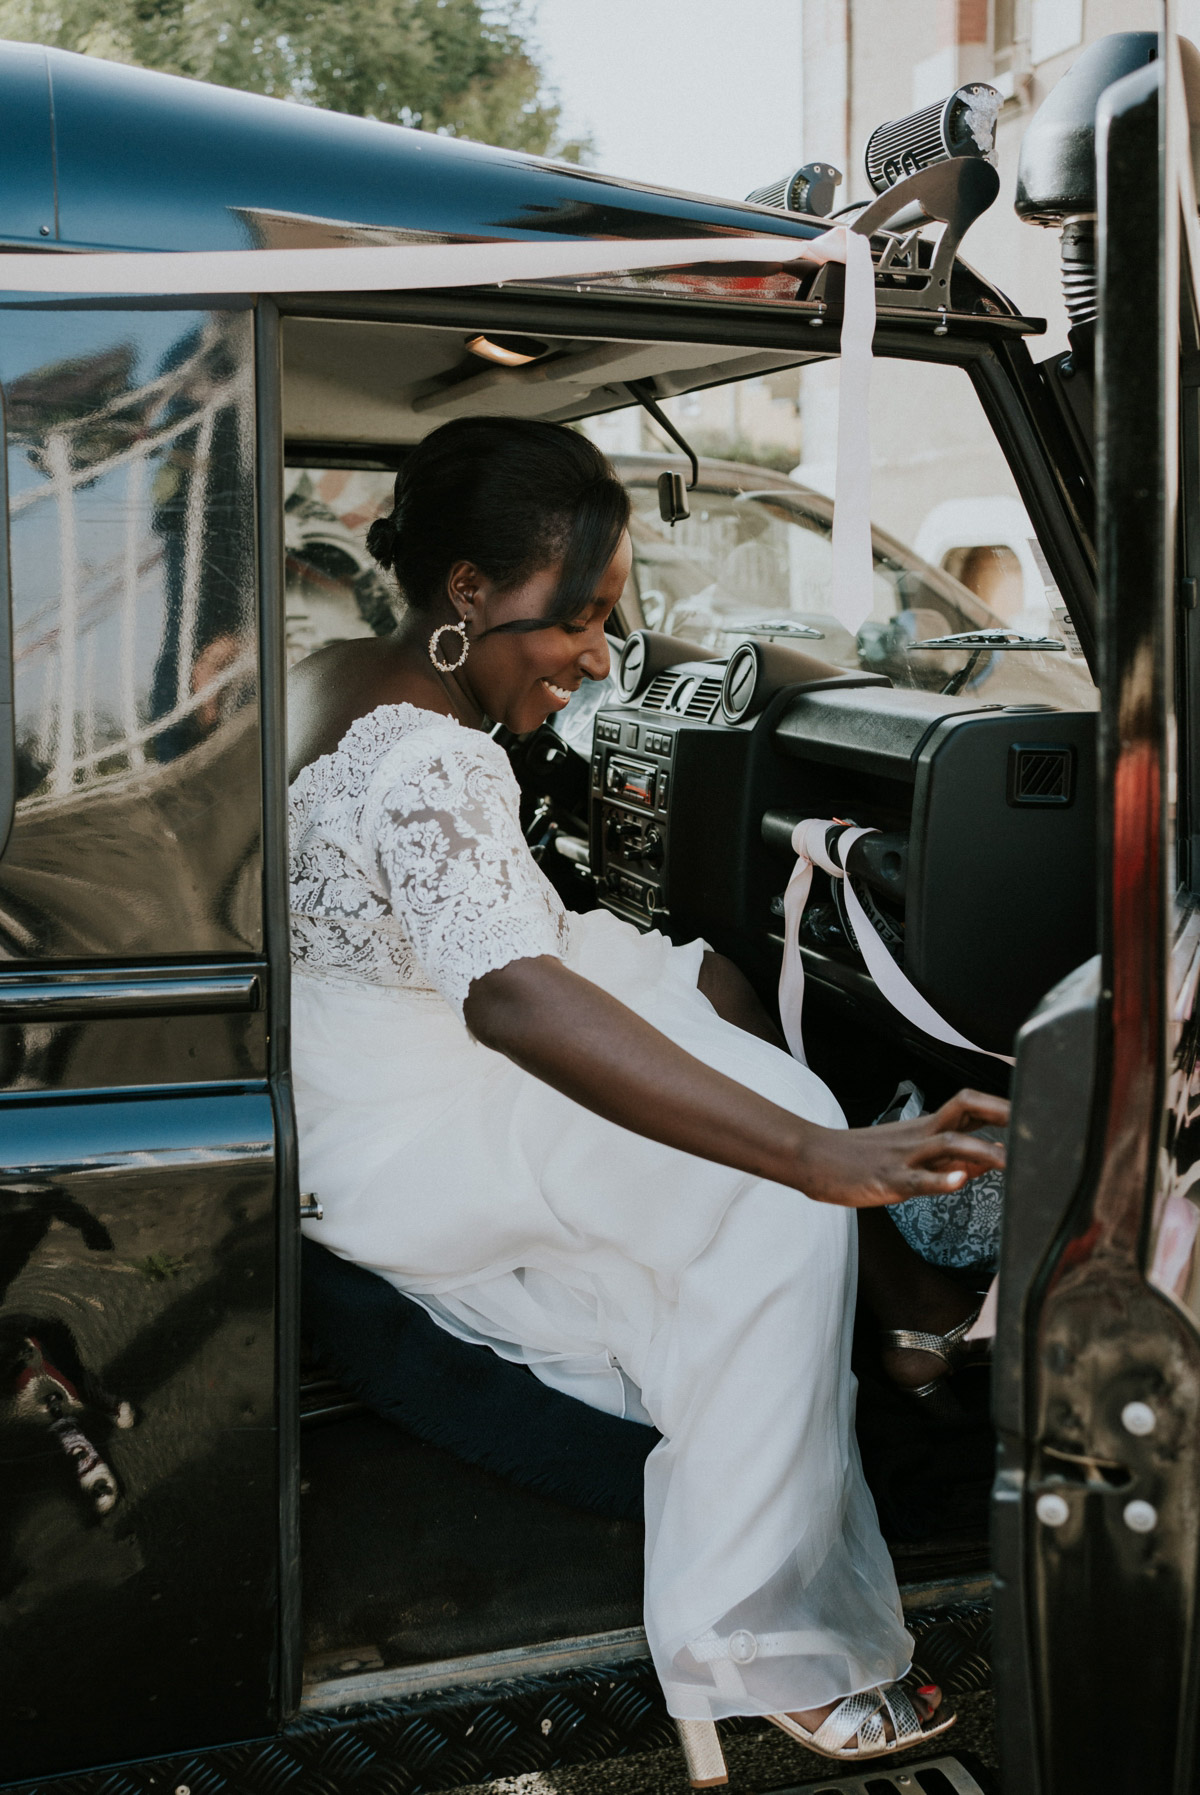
column 1005, row 639
column 981, row 642
column 781, row 626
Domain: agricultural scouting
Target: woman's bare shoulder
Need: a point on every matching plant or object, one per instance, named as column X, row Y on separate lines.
column 330, row 689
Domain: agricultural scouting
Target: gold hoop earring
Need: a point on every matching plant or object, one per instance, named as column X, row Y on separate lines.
column 460, row 630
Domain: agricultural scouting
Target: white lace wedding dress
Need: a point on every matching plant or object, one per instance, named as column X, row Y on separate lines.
column 639, row 1279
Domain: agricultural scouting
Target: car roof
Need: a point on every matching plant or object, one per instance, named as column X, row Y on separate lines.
column 101, row 155
column 110, row 156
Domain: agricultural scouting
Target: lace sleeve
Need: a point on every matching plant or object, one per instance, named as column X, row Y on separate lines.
column 444, row 830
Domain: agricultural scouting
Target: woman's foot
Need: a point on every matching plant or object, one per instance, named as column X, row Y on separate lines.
column 912, row 1367
column 905, row 1293
column 926, row 1700
column 875, row 1723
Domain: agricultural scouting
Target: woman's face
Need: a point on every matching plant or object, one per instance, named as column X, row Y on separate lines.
column 522, row 678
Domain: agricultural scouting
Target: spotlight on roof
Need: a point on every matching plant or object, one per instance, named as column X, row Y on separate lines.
column 810, row 189
column 510, row 352
column 962, row 125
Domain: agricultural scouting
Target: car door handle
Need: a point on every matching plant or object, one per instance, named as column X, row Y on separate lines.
column 130, row 991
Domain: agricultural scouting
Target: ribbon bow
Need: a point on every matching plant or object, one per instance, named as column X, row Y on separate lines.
column 810, row 841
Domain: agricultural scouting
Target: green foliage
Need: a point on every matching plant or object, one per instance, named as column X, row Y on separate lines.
column 461, row 67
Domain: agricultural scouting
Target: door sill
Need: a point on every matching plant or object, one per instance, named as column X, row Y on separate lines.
column 331, row 1693
column 485, row 1667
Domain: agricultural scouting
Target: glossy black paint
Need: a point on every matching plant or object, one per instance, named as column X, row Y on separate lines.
column 28, row 204
column 276, row 919
column 131, row 1027
column 141, row 1493
column 1099, row 1612
column 137, row 1253
column 199, row 167
column 1048, row 1149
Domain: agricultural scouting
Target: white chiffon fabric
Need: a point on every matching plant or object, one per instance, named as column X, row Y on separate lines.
column 635, row 1277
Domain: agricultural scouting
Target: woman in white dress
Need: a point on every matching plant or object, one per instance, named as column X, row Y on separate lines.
column 578, row 1144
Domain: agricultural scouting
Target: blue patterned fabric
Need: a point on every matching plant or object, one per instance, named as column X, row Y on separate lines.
column 961, row 1230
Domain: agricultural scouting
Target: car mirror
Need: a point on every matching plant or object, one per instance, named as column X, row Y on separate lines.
column 672, row 498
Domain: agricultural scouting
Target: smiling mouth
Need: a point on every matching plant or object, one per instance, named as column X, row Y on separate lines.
column 562, row 693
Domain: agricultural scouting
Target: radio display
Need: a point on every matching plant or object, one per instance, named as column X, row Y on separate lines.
column 631, row 781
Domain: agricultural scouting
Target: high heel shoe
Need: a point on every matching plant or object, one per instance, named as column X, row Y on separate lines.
column 955, row 1351
column 861, row 1717
column 702, row 1753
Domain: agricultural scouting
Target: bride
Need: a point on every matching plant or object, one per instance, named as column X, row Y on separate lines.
column 578, row 1144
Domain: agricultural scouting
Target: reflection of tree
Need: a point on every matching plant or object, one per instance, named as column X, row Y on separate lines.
column 91, row 399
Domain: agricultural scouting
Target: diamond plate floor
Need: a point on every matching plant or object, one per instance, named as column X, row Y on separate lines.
column 600, row 1732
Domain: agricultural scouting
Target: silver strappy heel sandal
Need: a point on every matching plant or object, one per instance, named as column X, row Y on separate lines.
column 861, row 1718
column 858, row 1716
column 954, row 1350
column 702, row 1753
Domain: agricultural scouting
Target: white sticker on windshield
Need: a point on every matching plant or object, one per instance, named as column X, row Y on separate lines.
column 1054, row 599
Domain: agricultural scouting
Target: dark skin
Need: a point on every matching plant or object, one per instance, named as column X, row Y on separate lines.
column 561, row 1027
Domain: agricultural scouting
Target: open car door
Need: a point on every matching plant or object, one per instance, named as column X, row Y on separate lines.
column 1098, row 1372
column 145, row 1456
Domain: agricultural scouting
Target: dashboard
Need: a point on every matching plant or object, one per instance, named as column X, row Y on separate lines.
column 981, row 881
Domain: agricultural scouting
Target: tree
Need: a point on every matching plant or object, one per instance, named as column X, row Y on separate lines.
column 461, row 67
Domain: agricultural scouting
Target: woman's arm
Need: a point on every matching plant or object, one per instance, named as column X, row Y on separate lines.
column 567, row 1031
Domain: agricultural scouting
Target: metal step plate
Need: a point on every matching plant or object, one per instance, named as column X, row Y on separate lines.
column 939, row 1776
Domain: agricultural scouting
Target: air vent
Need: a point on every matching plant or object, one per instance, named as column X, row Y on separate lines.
column 703, row 701
column 1040, row 773
column 654, row 698
column 632, row 664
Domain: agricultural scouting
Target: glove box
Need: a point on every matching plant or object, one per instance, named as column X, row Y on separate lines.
column 981, row 881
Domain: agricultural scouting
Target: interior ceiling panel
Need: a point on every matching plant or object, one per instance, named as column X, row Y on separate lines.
column 360, row 381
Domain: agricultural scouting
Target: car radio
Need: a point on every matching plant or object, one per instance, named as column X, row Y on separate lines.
column 671, row 776
column 631, row 784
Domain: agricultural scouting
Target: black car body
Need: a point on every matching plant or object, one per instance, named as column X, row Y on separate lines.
column 154, row 1477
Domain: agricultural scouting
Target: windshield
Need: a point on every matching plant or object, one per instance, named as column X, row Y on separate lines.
column 759, row 565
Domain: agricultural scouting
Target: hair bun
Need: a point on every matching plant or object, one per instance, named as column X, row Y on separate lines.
column 381, row 541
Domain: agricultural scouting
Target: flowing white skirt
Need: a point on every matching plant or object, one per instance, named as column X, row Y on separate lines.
column 642, row 1280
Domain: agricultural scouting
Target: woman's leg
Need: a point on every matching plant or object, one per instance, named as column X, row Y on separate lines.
column 734, row 999
column 768, row 1587
column 902, row 1290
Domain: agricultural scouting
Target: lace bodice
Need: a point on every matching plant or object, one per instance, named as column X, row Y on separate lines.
column 408, row 865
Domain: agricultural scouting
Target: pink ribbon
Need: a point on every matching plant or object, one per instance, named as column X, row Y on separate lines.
column 809, row 842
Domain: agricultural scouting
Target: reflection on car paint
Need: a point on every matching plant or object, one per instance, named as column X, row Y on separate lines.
column 1173, row 1264
column 130, row 443
column 44, row 1382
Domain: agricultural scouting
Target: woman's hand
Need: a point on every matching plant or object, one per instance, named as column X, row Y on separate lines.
column 579, row 1039
column 865, row 1168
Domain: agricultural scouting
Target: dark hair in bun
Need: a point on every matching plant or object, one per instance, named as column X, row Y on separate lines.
column 381, row 541
column 512, row 495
